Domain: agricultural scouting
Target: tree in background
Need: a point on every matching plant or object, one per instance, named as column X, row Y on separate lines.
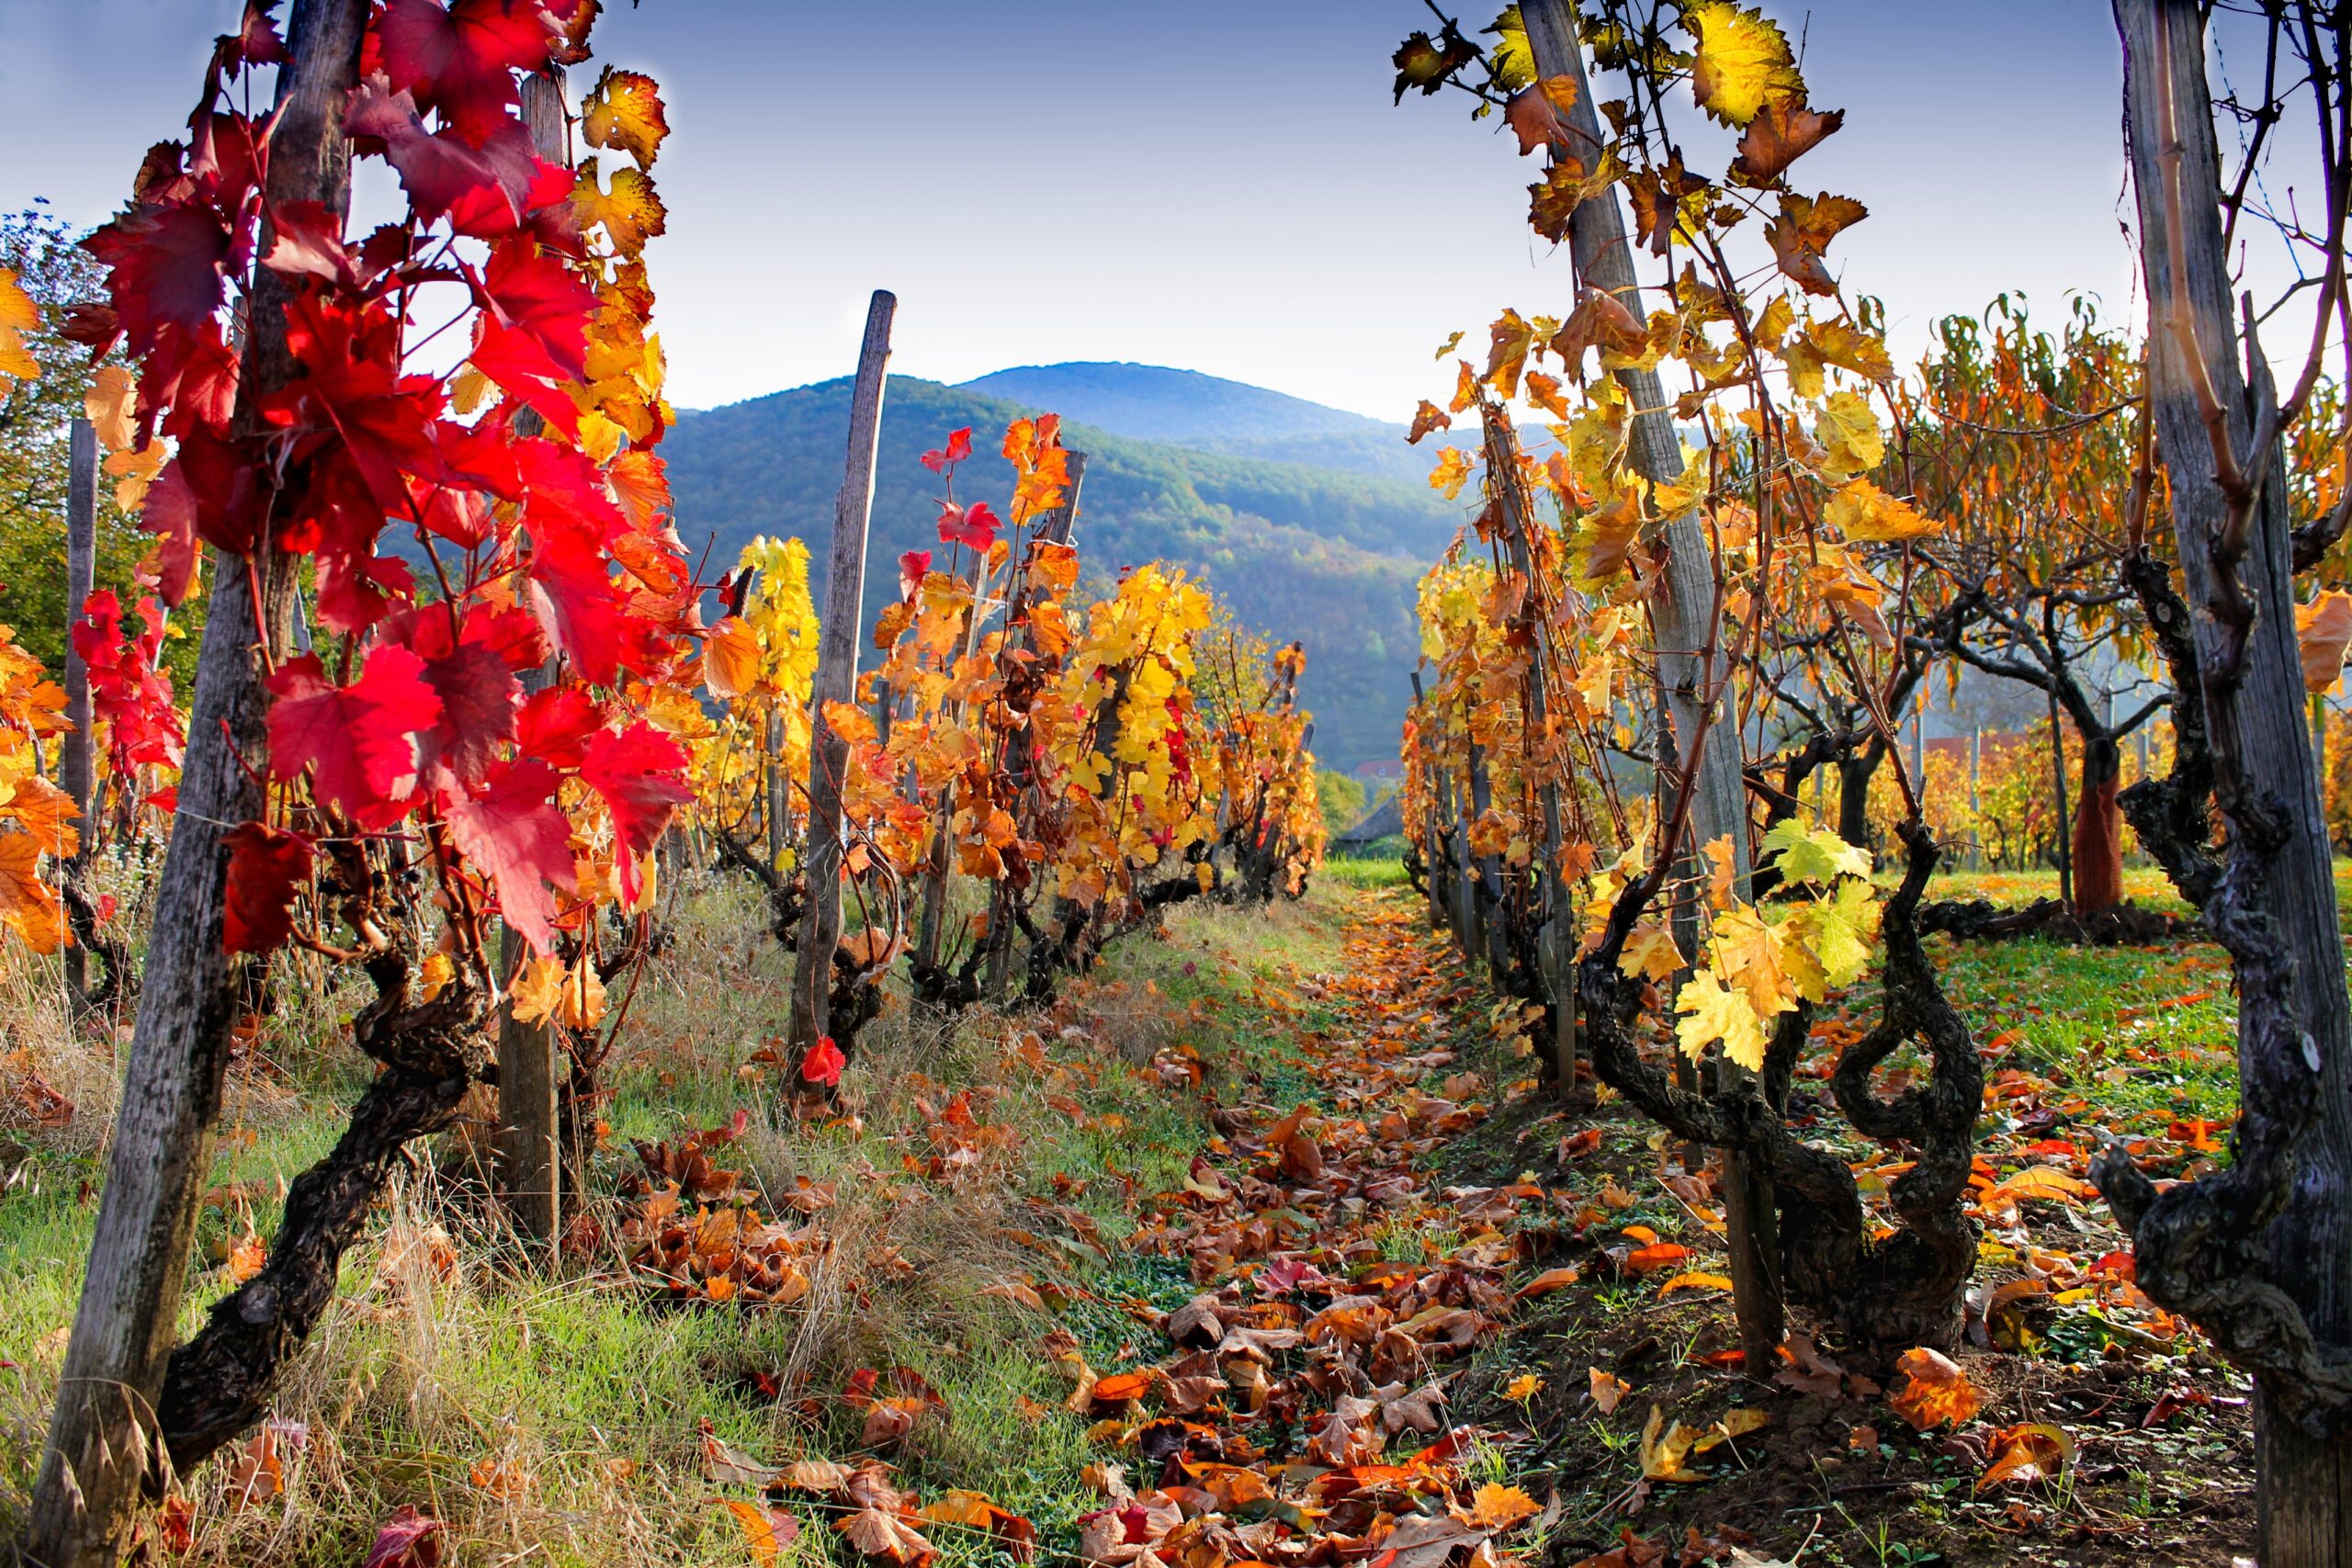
column 2026, row 443
column 1341, row 799
column 36, row 414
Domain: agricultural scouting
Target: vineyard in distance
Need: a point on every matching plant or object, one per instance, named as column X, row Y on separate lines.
column 586, row 985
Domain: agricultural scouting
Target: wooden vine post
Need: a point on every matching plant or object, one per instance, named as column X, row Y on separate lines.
column 102, row 1438
column 2280, row 1297
column 836, row 681
column 1556, row 938
column 1690, row 666
column 530, row 1143
column 1054, row 526
column 75, row 773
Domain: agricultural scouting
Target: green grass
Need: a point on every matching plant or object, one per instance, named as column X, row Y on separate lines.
column 418, row 1387
column 1369, row 870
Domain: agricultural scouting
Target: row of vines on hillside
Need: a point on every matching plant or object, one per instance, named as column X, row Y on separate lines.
column 1665, row 625
column 1028, row 774
column 457, row 694
column 1605, row 640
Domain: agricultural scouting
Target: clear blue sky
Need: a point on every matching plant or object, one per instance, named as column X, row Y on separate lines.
column 1216, row 184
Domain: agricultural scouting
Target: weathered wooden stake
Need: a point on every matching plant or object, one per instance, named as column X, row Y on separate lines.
column 1694, row 672
column 529, row 1143
column 75, row 773
column 820, row 927
column 102, row 1439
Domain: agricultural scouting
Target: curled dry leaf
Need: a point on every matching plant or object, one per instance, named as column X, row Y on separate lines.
column 407, row 1540
column 1663, row 1450
column 2032, row 1450
column 766, row 1531
column 731, row 1466
column 885, row 1535
column 1937, row 1390
column 1608, row 1390
column 1695, row 1279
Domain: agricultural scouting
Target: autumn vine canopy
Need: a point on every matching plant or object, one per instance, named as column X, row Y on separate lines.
column 531, row 1030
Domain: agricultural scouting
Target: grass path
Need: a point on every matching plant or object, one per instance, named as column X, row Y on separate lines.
column 1263, row 1244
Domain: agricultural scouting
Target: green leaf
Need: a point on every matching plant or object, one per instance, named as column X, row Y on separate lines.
column 1814, row 854
column 1836, row 933
column 1513, row 59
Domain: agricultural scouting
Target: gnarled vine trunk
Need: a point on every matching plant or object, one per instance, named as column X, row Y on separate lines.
column 2260, row 1255
column 102, row 1440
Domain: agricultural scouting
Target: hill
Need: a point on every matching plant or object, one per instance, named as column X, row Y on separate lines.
column 1184, row 408
column 1325, row 555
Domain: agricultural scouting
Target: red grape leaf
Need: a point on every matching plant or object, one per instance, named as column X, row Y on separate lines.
column 513, row 833
column 360, row 738
column 265, row 869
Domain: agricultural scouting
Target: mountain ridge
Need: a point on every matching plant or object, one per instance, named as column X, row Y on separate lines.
column 1207, row 413
column 1297, row 550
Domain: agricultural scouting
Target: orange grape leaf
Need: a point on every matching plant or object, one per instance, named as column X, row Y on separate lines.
column 1543, row 1284
column 1498, row 1508
column 1608, row 1390
column 1657, row 1256
column 1936, row 1392
column 767, row 1531
column 2323, row 628
column 1695, row 1279
column 2032, row 1450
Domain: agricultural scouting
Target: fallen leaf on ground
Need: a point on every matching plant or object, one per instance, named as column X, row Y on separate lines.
column 1937, row 1391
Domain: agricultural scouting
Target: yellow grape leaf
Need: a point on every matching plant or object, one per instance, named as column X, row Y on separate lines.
column 110, row 402
column 1663, row 1450
column 1844, row 343
column 536, row 990
column 436, row 972
column 1849, row 436
column 2323, row 627
column 629, row 210
column 1742, row 63
column 1866, row 515
column 1695, row 1279
column 1837, row 932
column 133, row 472
column 18, row 315
column 1453, row 469
column 624, row 113
column 1651, row 951
column 1747, row 952
column 1527, row 1386
column 1512, row 57
column 1711, row 1013
column 469, row 388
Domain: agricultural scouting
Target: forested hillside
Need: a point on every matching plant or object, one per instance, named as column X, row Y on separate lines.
column 1328, row 557
column 1184, row 408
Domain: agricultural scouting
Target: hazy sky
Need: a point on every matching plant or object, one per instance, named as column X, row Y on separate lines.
column 1216, row 184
